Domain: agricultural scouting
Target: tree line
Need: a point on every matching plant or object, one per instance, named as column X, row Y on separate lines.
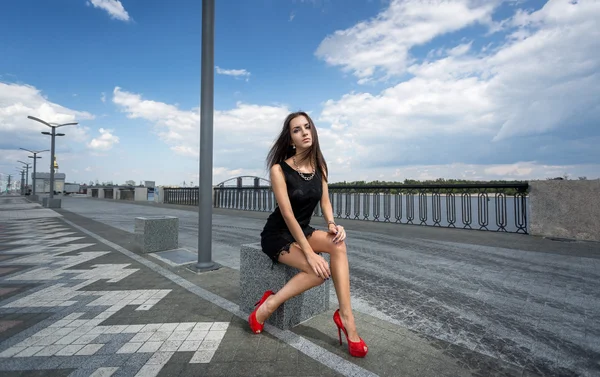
column 395, row 186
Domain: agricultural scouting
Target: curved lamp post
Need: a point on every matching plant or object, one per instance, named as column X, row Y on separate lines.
column 7, row 183
column 27, row 165
column 22, row 171
column 53, row 134
column 35, row 157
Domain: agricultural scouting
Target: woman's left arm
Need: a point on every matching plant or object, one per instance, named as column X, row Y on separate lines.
column 327, row 209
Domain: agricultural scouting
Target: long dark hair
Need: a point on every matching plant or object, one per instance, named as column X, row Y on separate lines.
column 282, row 148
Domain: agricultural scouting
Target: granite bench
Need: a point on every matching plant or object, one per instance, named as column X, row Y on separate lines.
column 157, row 233
column 256, row 277
column 51, row 203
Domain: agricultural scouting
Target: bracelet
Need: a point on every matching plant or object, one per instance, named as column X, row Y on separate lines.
column 331, row 222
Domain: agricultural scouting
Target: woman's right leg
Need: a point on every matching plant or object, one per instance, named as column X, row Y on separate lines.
column 301, row 282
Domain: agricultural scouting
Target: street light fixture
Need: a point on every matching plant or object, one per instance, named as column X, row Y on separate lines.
column 7, row 183
column 53, row 135
column 20, row 170
column 27, row 165
column 35, row 157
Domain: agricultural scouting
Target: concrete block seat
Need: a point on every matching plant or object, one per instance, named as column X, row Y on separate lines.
column 157, row 233
column 257, row 276
column 51, row 203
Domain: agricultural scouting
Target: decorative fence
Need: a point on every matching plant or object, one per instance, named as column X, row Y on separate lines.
column 499, row 207
column 185, row 196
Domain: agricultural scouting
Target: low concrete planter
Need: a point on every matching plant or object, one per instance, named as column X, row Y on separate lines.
column 256, row 277
column 157, row 233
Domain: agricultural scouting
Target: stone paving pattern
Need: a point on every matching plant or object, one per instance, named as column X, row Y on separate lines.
column 71, row 306
column 429, row 302
column 523, row 300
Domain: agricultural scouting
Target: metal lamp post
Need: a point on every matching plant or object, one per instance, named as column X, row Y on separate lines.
column 53, row 134
column 7, row 183
column 35, row 157
column 20, row 170
column 27, row 165
column 205, row 262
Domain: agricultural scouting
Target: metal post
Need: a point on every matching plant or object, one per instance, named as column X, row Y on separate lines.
column 35, row 157
column 33, row 179
column 206, row 137
column 26, row 174
column 52, row 163
column 52, row 135
column 22, row 182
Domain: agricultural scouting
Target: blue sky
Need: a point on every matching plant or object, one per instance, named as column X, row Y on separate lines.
column 398, row 89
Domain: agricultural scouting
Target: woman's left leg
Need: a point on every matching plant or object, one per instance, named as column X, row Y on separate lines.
column 321, row 241
column 302, row 281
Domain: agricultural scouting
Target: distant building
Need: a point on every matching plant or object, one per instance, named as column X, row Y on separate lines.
column 42, row 182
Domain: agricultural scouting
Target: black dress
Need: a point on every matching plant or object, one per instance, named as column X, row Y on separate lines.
column 304, row 196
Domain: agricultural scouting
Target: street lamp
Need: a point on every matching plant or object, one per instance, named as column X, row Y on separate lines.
column 8, row 182
column 20, row 170
column 53, row 135
column 27, row 165
column 35, row 157
column 205, row 190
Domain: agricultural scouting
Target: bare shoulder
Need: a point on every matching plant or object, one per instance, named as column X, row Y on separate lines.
column 276, row 169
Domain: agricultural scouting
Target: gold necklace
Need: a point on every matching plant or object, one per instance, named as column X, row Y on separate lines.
column 305, row 176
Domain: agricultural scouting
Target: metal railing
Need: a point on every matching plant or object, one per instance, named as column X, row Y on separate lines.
column 468, row 206
column 182, row 195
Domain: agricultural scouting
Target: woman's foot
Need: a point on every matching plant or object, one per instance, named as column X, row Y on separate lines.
column 357, row 348
column 264, row 311
column 255, row 325
column 348, row 322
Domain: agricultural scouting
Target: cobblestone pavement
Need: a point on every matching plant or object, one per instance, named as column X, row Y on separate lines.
column 523, row 300
column 71, row 306
column 72, row 292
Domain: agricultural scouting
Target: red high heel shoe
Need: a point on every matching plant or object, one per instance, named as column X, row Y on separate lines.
column 257, row 327
column 356, row 349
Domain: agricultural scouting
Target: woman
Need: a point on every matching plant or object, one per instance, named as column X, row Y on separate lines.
column 299, row 181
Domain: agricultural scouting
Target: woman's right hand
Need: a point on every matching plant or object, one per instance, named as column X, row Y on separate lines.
column 319, row 265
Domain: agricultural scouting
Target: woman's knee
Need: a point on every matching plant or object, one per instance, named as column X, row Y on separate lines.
column 338, row 248
column 323, row 242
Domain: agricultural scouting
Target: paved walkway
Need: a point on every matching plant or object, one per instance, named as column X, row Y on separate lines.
column 75, row 300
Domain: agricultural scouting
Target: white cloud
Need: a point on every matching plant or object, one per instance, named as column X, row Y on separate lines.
column 88, row 169
column 233, row 72
column 292, row 16
column 544, row 83
column 103, row 97
column 519, row 171
column 104, row 142
column 241, row 138
column 381, row 46
column 17, row 101
column 114, row 8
